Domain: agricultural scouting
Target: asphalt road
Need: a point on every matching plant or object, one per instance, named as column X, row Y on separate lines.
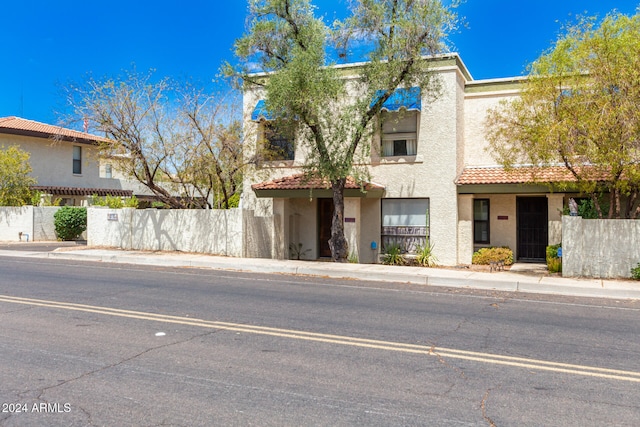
column 91, row 344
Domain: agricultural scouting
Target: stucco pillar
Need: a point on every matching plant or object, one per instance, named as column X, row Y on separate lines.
column 555, row 202
column 465, row 228
column 352, row 220
column 370, row 215
column 280, row 240
column 572, row 250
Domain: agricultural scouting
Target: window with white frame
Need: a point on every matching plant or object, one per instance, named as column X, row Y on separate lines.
column 108, row 171
column 278, row 144
column 405, row 223
column 77, row 160
column 399, row 136
column 481, row 221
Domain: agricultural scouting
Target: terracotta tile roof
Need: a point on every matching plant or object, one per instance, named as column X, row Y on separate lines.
column 303, row 182
column 20, row 126
column 78, row 191
column 517, row 175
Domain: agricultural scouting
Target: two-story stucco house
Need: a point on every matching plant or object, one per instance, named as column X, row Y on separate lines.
column 431, row 179
column 64, row 161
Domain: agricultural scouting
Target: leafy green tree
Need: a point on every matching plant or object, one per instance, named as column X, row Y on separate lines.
column 580, row 107
column 333, row 116
column 15, row 181
column 180, row 141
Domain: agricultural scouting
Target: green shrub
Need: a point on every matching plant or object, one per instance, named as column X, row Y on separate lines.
column 635, row 272
column 554, row 263
column 552, row 251
column 393, row 255
column 114, row 202
column 234, row 201
column 425, row 256
column 484, row 256
column 70, row 222
column 587, row 209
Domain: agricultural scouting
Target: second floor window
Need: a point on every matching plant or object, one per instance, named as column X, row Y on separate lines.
column 399, row 133
column 278, row 144
column 77, row 160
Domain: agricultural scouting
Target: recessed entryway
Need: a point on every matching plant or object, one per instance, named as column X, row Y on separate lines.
column 325, row 217
column 533, row 228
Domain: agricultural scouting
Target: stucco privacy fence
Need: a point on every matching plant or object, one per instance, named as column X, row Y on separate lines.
column 27, row 223
column 599, row 248
column 229, row 232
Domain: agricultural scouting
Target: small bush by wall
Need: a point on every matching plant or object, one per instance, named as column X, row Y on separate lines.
column 554, row 262
column 70, row 222
column 484, row 256
column 393, row 256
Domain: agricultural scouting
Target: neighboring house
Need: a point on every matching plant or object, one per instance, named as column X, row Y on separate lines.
column 431, row 180
column 65, row 162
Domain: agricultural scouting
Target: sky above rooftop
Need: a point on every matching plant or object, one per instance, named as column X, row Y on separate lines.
column 48, row 44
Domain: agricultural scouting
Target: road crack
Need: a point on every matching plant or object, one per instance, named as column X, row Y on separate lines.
column 433, row 352
column 483, row 407
column 123, row 361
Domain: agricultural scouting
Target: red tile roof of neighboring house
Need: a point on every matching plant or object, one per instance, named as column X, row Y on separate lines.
column 303, row 182
column 19, row 126
column 517, row 175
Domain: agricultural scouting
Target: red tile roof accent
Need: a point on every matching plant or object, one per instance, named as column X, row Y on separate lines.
column 20, row 126
column 303, row 182
column 517, row 175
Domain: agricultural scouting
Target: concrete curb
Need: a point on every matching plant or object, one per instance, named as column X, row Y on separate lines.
column 500, row 281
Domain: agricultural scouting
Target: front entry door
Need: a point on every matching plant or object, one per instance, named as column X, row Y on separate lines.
column 325, row 217
column 533, row 228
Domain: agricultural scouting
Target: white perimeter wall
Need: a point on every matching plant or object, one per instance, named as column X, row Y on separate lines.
column 601, row 248
column 14, row 220
column 36, row 222
column 204, row 231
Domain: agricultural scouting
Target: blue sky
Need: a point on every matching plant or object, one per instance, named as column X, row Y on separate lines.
column 48, row 44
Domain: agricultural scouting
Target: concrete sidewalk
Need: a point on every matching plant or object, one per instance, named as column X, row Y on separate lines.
column 521, row 278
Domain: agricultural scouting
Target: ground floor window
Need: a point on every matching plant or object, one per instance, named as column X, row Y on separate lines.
column 481, row 221
column 405, row 222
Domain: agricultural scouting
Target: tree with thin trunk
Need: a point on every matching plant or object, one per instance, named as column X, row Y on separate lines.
column 333, row 116
column 580, row 108
column 181, row 142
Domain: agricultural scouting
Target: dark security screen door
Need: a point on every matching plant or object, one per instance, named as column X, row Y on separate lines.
column 533, row 233
column 325, row 216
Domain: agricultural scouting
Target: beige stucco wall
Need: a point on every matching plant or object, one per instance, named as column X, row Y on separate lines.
column 476, row 106
column 36, row 222
column 195, row 230
column 370, row 220
column 52, row 162
column 555, row 204
column 465, row 228
column 602, row 248
column 15, row 220
column 503, row 231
